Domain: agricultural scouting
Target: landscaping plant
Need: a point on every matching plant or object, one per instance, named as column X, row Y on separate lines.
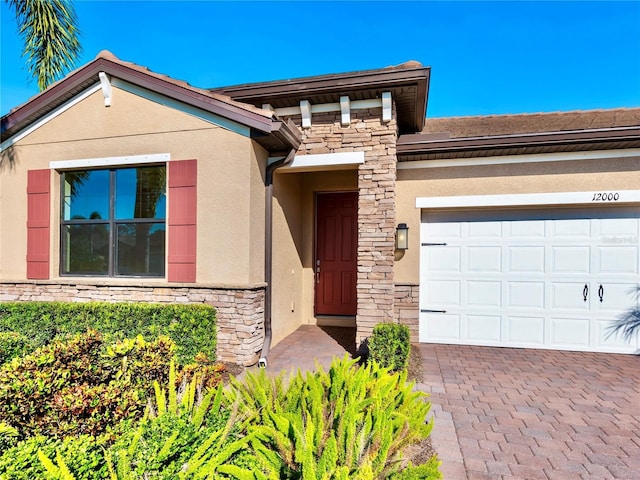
column 192, row 327
column 348, row 423
column 80, row 385
column 390, row 346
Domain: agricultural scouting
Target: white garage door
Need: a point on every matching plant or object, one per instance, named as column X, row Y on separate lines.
column 529, row 278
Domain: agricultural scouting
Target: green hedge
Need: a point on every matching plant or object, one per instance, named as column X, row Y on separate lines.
column 191, row 326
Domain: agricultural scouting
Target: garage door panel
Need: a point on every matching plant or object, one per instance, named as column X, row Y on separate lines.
column 571, row 228
column 527, row 229
column 525, row 294
column 525, row 330
column 526, row 259
column 443, row 292
column 570, row 296
column 606, row 342
column 485, row 230
column 618, row 259
column 444, row 259
column 484, row 329
column 440, row 327
column 484, row 293
column 445, row 230
column 625, row 227
column 571, row 259
column 570, row 332
column 616, row 297
column 484, row 259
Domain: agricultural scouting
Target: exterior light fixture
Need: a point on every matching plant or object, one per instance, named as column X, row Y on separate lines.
column 402, row 237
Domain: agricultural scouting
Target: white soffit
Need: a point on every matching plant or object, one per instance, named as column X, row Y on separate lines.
column 50, row 116
column 110, row 161
column 324, row 161
column 532, row 158
column 182, row 107
column 593, row 198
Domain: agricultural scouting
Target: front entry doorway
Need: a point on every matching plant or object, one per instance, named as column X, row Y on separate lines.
column 336, row 262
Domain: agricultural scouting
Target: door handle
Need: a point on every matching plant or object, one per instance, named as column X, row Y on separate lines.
column 317, row 271
column 601, row 293
column 585, row 292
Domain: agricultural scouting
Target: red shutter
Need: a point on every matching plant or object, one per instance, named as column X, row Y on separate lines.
column 182, row 221
column 38, row 230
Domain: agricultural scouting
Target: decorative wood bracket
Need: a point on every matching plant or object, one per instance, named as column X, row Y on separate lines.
column 345, row 111
column 106, row 88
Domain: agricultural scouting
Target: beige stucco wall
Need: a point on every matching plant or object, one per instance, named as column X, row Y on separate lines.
column 230, row 185
column 556, row 176
column 293, row 244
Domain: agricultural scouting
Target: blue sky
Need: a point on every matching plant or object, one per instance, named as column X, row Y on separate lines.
column 486, row 57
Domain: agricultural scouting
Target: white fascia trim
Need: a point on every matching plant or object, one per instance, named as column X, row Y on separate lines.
column 50, row 116
column 529, row 158
column 322, row 160
column 182, row 107
column 110, row 161
column 595, row 198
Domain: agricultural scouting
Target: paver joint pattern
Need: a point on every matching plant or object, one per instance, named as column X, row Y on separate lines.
column 505, row 413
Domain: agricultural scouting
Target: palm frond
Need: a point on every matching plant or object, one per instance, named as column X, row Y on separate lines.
column 50, row 33
column 627, row 324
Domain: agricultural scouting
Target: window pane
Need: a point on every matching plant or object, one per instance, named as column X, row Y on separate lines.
column 86, row 249
column 140, row 192
column 141, row 249
column 86, row 194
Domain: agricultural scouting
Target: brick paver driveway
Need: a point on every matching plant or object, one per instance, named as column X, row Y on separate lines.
column 504, row 413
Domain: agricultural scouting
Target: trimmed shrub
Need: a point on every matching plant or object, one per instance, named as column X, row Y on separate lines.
column 13, row 344
column 348, row 423
column 81, row 385
column 390, row 345
column 191, row 326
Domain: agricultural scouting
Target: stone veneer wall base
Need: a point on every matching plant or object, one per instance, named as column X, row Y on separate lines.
column 406, row 307
column 240, row 311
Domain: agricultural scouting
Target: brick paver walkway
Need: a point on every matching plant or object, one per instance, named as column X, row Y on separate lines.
column 504, row 413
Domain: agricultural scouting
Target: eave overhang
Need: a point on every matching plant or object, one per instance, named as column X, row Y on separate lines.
column 430, row 146
column 409, row 87
column 262, row 125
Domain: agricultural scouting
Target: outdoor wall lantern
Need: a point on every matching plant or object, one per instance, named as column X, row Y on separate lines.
column 402, row 237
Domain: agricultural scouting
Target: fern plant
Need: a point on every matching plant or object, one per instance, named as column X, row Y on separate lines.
column 348, row 423
column 187, row 433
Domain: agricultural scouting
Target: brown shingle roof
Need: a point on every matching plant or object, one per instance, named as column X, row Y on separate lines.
column 492, row 125
column 455, row 137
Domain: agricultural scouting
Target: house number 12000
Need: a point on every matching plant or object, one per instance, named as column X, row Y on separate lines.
column 605, row 197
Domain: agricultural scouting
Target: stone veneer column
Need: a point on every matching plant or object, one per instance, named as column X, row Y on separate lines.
column 376, row 203
column 376, row 231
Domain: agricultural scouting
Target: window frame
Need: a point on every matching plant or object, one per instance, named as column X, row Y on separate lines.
column 112, row 222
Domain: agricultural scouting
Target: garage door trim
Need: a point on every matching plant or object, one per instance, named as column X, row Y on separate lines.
column 593, row 198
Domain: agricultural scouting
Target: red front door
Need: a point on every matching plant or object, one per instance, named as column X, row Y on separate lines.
column 336, row 253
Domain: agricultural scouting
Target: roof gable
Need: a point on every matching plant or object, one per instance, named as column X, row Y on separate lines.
column 272, row 133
